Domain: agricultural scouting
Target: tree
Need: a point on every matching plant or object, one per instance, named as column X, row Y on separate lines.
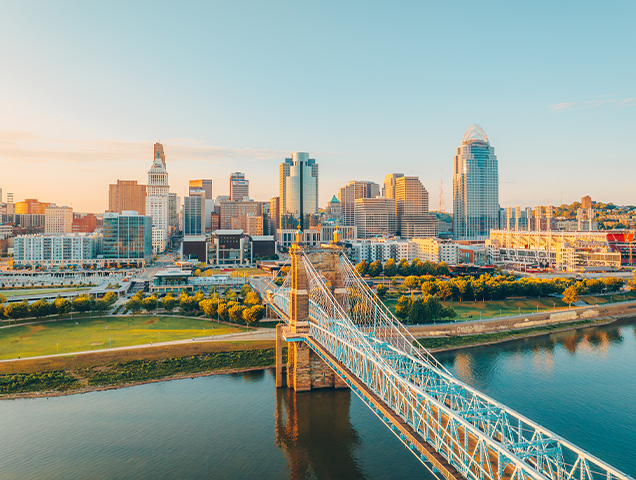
column 39, row 309
column 102, row 305
column 381, row 290
column 444, row 291
column 134, row 305
column 187, row 303
column 62, row 306
column 417, row 311
column 236, row 313
column 221, row 310
column 253, row 314
column 390, row 268
column 149, row 304
column 428, row 288
column 169, row 302
column 3, row 298
column 229, row 294
column 252, row 298
column 403, row 267
column 208, row 306
column 402, row 307
column 245, row 289
column 570, row 295
column 375, row 269
column 110, row 298
column 82, row 304
column 16, row 310
column 411, row 282
column 362, row 268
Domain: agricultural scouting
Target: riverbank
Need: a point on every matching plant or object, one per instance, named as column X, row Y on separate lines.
column 441, row 344
column 81, row 374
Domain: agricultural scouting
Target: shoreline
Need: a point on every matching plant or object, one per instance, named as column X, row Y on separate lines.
column 79, row 391
column 521, row 336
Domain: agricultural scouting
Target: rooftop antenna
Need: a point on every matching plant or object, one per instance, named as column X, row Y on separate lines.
column 441, row 194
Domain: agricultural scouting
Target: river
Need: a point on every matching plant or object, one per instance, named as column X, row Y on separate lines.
column 581, row 385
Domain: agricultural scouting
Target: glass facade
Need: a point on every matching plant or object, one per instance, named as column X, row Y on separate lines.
column 127, row 237
column 475, row 187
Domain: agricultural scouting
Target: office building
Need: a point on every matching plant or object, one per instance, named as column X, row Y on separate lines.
column 436, row 250
column 250, row 224
column 127, row 239
column 194, row 213
column 230, row 210
column 388, row 190
column 127, row 195
column 375, row 217
column 239, row 187
column 350, row 193
column 173, row 213
column 298, row 190
column 586, row 202
column 475, row 187
column 274, row 211
column 333, row 212
column 157, row 201
column 204, row 184
column 412, row 208
column 58, row 220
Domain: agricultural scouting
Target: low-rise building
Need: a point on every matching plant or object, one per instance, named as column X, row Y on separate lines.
column 50, row 251
column 437, row 250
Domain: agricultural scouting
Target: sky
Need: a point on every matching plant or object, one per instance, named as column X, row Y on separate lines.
column 368, row 88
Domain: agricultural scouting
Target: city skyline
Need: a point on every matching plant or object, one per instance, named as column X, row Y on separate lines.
column 553, row 118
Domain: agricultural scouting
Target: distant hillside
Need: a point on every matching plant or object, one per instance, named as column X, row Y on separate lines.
column 443, row 216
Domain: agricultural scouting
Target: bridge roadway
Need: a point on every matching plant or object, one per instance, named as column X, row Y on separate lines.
column 455, row 430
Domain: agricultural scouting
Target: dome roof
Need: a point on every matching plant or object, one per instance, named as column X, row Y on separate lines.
column 475, row 134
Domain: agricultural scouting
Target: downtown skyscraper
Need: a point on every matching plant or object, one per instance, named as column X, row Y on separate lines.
column 157, row 201
column 475, row 187
column 298, row 189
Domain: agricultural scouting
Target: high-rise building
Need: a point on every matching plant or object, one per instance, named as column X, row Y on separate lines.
column 230, row 210
column 127, row 195
column 194, row 213
column 350, row 193
column 475, row 187
column 173, row 212
column 388, row 191
column 58, row 220
column 202, row 184
column 274, row 211
column 412, row 209
column 239, row 187
column 157, row 201
column 298, row 189
column 586, row 202
column 127, row 238
column 376, row 217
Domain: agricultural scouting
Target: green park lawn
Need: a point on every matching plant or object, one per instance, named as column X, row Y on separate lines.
column 614, row 297
column 495, row 308
column 99, row 333
column 36, row 291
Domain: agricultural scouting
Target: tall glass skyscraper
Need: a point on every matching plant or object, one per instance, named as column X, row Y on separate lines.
column 475, row 187
column 298, row 190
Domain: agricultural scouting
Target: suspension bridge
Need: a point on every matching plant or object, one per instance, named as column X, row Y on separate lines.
column 340, row 335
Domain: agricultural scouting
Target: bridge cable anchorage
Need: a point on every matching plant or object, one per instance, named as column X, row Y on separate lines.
column 478, row 437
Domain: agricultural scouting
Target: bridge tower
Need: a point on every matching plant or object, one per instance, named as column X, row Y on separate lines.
column 306, row 370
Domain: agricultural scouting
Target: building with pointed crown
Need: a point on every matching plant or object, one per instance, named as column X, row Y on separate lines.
column 157, row 201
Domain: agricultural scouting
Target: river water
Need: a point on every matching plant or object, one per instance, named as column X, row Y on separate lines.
column 581, row 385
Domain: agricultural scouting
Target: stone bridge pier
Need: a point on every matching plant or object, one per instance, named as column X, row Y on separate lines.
column 305, row 370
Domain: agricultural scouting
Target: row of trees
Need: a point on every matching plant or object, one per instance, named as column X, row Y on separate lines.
column 403, row 268
column 422, row 309
column 488, row 287
column 245, row 307
column 60, row 306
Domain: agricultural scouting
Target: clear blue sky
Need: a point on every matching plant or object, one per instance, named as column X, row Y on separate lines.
column 368, row 88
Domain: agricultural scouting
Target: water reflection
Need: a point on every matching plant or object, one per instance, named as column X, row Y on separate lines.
column 314, row 431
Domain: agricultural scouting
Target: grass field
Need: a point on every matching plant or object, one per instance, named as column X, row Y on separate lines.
column 35, row 291
column 496, row 308
column 614, row 297
column 98, row 333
